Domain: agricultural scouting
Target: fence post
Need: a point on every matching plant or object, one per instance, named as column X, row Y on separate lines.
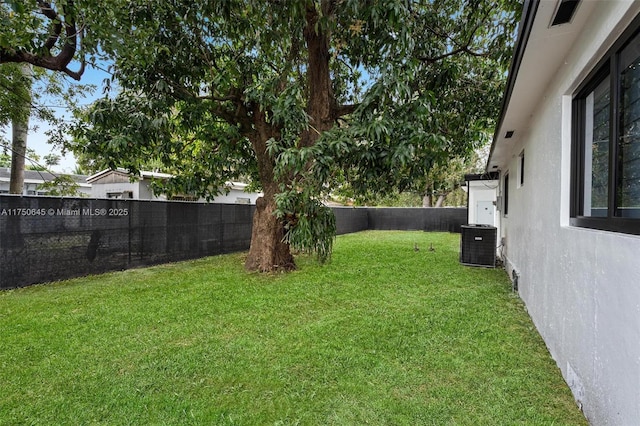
column 130, row 214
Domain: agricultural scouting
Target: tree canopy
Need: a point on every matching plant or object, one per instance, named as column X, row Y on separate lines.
column 298, row 96
column 36, row 46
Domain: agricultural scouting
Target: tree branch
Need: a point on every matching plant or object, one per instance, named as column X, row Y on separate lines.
column 56, row 26
column 460, row 48
column 294, row 52
column 61, row 61
column 233, row 95
column 342, row 110
column 463, row 49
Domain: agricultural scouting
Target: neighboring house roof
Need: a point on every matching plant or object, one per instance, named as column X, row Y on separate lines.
column 481, row 176
column 126, row 174
column 540, row 51
column 33, row 176
column 240, row 186
column 478, row 177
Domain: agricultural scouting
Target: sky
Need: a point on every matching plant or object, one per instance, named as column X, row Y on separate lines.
column 37, row 139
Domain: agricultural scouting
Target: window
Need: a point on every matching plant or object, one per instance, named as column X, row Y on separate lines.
column 505, row 196
column 119, row 195
column 521, row 169
column 606, row 141
column 183, row 197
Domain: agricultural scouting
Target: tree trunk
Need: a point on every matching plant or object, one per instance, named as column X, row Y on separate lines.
column 20, row 130
column 426, row 200
column 18, row 153
column 268, row 252
column 321, row 106
column 440, row 200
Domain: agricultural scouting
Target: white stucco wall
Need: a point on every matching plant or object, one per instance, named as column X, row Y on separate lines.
column 581, row 286
column 236, row 196
column 482, row 190
column 141, row 190
column 145, row 192
column 101, row 190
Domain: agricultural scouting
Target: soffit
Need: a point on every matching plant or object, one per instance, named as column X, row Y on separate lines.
column 544, row 55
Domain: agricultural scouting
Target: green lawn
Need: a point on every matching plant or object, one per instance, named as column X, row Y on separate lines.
column 382, row 334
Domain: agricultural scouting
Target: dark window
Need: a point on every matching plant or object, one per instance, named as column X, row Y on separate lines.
column 628, row 182
column 565, row 12
column 505, row 196
column 606, row 147
column 521, row 179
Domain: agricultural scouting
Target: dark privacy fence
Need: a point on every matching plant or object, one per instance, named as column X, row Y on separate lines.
column 46, row 239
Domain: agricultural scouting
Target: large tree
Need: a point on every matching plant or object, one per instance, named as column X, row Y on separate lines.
column 37, row 44
column 297, row 95
column 15, row 82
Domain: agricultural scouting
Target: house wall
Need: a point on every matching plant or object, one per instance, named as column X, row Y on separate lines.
column 581, row 286
column 145, row 192
column 141, row 190
column 479, row 191
column 234, row 195
column 100, row 190
column 113, row 177
column 33, row 180
column 84, row 190
column 32, row 188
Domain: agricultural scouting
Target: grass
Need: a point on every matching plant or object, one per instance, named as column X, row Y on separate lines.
column 381, row 335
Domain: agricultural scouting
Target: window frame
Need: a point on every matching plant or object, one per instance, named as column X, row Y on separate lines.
column 607, row 67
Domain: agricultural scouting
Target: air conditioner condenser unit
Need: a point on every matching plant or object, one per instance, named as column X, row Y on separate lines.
column 478, row 245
